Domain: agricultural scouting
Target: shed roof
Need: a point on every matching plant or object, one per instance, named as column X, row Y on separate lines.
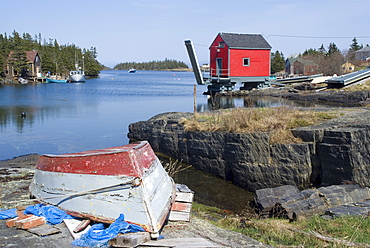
column 246, row 41
column 304, row 61
column 364, row 49
column 30, row 55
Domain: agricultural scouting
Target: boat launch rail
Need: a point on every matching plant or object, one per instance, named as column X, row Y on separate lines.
column 344, row 80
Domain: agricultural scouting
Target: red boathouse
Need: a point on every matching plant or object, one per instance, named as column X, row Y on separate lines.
column 241, row 58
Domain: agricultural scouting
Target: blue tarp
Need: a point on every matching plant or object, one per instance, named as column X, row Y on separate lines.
column 7, row 214
column 52, row 214
column 98, row 236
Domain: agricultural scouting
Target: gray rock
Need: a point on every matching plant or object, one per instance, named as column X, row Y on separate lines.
column 315, row 201
column 332, row 152
column 266, row 199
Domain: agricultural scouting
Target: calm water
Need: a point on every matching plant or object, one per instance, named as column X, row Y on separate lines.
column 63, row 118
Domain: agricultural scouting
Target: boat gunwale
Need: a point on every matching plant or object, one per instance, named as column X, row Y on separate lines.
column 105, row 151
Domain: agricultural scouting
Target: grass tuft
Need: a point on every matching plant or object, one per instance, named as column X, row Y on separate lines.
column 174, row 167
column 277, row 121
column 347, row 231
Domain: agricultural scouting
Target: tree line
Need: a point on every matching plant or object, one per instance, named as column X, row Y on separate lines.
column 167, row 64
column 329, row 60
column 56, row 58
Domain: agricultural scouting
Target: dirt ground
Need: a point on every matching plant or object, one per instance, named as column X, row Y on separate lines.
column 15, row 178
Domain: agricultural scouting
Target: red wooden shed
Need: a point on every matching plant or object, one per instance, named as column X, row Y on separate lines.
column 240, row 58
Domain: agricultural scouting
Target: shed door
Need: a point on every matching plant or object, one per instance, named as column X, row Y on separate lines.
column 219, row 67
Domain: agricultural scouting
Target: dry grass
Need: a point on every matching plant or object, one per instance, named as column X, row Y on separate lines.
column 277, row 121
column 348, row 231
column 174, row 167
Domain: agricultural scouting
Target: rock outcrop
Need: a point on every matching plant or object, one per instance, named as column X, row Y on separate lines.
column 336, row 200
column 331, row 153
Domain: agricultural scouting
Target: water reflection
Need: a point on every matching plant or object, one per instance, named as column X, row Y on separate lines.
column 12, row 116
column 213, row 191
column 226, row 102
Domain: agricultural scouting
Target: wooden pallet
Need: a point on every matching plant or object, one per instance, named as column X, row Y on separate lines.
column 181, row 208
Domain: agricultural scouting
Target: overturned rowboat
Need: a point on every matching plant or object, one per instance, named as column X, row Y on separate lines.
column 102, row 184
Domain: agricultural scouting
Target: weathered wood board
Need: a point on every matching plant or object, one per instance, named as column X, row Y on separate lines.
column 180, row 242
column 44, row 230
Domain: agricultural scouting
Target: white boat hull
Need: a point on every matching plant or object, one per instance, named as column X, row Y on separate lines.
column 77, row 76
column 145, row 200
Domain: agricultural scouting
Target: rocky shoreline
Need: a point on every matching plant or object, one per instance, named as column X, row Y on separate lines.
column 332, row 152
column 334, row 98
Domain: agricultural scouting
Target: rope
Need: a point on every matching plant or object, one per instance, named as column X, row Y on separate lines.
column 134, row 182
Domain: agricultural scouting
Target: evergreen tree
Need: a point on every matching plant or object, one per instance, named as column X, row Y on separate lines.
column 332, row 49
column 18, row 59
column 355, row 46
column 311, row 51
column 167, row 64
column 55, row 58
column 277, row 62
column 322, row 50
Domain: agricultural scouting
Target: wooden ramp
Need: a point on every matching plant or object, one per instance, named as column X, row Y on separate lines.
column 180, row 242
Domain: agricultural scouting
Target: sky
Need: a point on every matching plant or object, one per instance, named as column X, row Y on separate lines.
column 146, row 30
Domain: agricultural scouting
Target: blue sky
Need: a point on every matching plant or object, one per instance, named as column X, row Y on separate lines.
column 144, row 30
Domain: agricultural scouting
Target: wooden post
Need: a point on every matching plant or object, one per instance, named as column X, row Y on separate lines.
column 195, row 98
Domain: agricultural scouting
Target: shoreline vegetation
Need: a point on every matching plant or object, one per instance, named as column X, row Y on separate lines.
column 156, row 65
column 278, row 121
column 58, row 59
column 348, row 231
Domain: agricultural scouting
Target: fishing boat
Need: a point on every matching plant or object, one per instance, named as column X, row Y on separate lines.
column 50, row 80
column 132, row 70
column 77, row 76
column 102, row 184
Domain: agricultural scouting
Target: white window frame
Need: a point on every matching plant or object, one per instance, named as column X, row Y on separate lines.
column 246, row 59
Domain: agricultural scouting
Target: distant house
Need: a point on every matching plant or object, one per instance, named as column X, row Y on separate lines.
column 347, row 68
column 32, row 69
column 363, row 53
column 300, row 66
column 240, row 57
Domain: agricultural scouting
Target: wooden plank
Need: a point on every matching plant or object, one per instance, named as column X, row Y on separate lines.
column 130, row 239
column 184, row 197
column 72, row 224
column 179, row 216
column 180, row 242
column 44, row 230
column 181, row 207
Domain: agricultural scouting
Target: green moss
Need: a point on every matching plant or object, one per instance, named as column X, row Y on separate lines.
column 282, row 233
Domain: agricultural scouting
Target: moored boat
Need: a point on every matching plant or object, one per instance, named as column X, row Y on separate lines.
column 50, row 80
column 102, row 184
column 22, row 81
column 77, row 76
